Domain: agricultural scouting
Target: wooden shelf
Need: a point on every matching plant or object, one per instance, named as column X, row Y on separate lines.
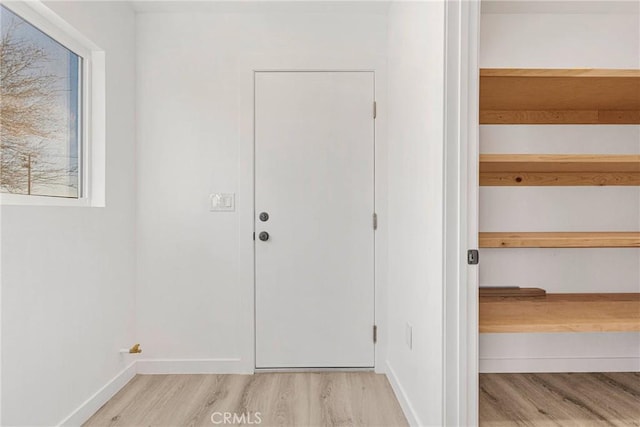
column 559, row 169
column 561, row 313
column 510, row 291
column 559, row 96
column 561, row 240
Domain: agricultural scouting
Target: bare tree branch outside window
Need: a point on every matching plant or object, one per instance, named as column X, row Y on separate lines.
column 39, row 105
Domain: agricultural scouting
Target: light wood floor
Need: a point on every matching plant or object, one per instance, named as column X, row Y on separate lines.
column 282, row 399
column 593, row 399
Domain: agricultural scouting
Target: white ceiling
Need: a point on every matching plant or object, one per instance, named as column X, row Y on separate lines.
column 263, row 6
column 561, row 6
column 379, row 6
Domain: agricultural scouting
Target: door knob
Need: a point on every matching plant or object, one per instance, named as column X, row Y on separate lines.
column 264, row 216
column 264, row 236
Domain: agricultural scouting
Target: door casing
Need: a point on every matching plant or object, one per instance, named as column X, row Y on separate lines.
column 353, row 321
column 246, row 69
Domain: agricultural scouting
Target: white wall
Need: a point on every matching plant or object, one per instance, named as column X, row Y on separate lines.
column 68, row 273
column 415, row 229
column 565, row 40
column 195, row 305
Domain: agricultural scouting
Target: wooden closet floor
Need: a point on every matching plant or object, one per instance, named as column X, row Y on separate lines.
column 282, row 399
column 580, row 399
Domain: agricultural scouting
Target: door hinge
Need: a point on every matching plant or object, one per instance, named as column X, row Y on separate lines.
column 375, row 334
column 375, row 221
column 473, row 256
column 375, row 109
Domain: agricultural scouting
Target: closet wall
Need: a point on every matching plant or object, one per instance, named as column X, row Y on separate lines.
column 560, row 39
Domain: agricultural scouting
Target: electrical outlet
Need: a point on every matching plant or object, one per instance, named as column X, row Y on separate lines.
column 408, row 336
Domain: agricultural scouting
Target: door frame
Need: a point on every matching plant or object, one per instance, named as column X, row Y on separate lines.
column 246, row 69
column 371, row 180
column 462, row 82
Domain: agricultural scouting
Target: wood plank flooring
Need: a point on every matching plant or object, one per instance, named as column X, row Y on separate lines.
column 282, row 399
column 589, row 399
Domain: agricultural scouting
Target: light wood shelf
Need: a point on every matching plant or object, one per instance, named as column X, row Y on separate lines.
column 511, row 291
column 559, row 169
column 560, row 240
column 559, row 96
column 561, row 313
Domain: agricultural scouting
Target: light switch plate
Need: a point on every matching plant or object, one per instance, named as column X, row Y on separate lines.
column 222, row 202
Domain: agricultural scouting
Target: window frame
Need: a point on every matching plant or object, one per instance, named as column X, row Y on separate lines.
column 91, row 113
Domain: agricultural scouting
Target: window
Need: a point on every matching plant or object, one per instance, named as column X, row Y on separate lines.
column 52, row 110
column 40, row 109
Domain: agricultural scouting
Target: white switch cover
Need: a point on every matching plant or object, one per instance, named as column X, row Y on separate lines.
column 223, row 202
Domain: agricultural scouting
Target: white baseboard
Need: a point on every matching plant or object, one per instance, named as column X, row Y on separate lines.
column 405, row 404
column 555, row 364
column 192, row 366
column 151, row 366
column 99, row 398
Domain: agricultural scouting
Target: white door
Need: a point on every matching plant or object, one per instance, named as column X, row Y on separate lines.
column 314, row 177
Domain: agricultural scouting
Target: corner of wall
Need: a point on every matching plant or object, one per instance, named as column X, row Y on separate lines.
column 89, row 407
column 401, row 395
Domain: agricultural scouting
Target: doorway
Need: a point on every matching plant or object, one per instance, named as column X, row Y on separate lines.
column 314, row 219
